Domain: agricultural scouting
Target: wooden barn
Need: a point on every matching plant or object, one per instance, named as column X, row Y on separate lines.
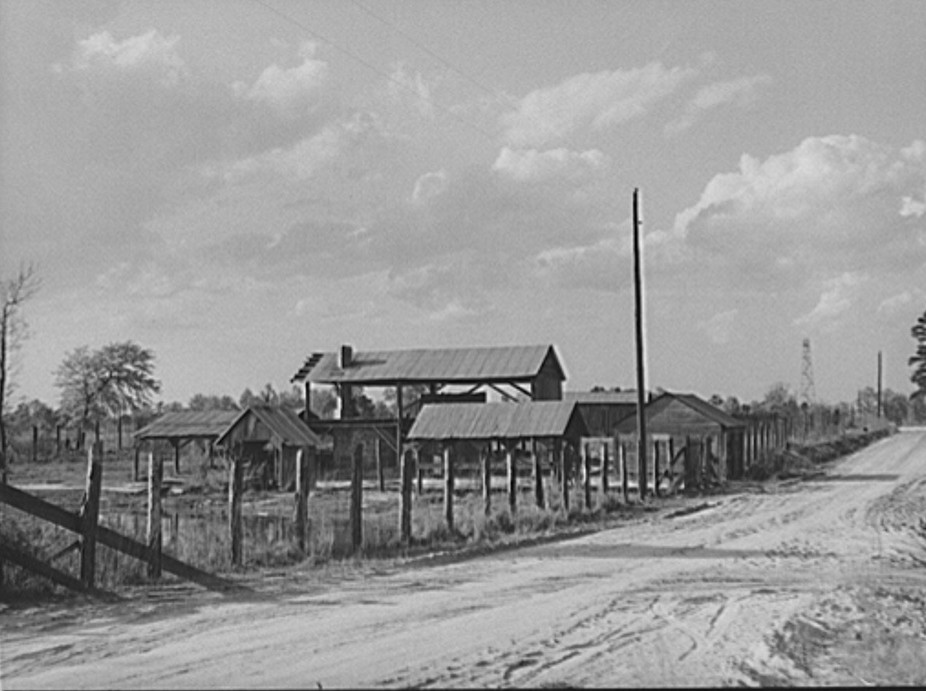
column 672, row 419
column 513, row 372
column 602, row 410
column 268, row 439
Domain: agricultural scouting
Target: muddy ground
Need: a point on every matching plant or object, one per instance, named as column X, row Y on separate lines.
column 818, row 581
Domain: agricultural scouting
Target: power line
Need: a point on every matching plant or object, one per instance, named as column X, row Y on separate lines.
column 374, row 68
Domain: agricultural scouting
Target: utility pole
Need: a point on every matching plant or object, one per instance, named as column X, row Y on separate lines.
column 638, row 315
column 879, row 384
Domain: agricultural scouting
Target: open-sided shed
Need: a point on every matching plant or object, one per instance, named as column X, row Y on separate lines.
column 268, row 439
column 179, row 428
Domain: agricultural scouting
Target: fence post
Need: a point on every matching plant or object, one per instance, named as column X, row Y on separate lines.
column 155, row 471
column 300, row 497
column 379, row 464
column 176, row 457
column 235, row 476
column 605, row 463
column 563, row 452
column 622, row 467
column 512, row 478
column 405, row 498
column 448, row 486
column 90, row 514
column 356, row 499
column 420, row 474
column 57, row 440
column 538, row 476
column 135, row 463
column 587, row 478
column 487, row 479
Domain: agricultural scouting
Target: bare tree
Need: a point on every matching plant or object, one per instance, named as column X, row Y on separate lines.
column 13, row 331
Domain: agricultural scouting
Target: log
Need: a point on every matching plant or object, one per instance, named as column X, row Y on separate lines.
column 90, row 514
column 153, row 533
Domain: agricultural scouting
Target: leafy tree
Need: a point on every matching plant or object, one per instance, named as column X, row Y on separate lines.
column 13, row 331
column 716, row 400
column 108, row 381
column 246, row 398
column 323, row 403
column 732, row 406
column 919, row 359
column 293, row 398
column 779, row 399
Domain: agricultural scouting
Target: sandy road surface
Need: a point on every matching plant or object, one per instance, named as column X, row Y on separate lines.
column 752, row 590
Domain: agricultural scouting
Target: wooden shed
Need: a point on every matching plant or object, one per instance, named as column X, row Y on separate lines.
column 268, row 439
column 602, row 410
column 673, row 419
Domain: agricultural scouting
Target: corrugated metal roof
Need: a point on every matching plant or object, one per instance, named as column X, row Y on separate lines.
column 603, row 397
column 493, row 420
column 465, row 365
column 188, row 423
column 284, row 423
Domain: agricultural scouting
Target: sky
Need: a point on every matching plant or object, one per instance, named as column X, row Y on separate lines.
column 235, row 184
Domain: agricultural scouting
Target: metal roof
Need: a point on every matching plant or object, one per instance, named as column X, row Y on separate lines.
column 283, row 423
column 709, row 410
column 463, row 365
column 494, row 420
column 186, row 424
column 603, row 397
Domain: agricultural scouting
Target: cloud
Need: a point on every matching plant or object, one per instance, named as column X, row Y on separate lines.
column 831, row 205
column 147, row 53
column 429, row 185
column 719, row 327
column 589, row 100
column 740, row 92
column 290, row 91
column 838, row 295
column 407, row 87
column 530, row 165
column 895, row 303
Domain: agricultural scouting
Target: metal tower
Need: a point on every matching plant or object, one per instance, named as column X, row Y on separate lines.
column 808, row 392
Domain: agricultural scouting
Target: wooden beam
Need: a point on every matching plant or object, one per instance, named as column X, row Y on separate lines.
column 587, row 477
column 538, row 475
column 26, row 561
column 487, row 479
column 356, row 499
column 90, row 514
column 504, row 393
column 405, row 498
column 235, row 477
column 448, row 485
column 300, row 497
column 512, row 478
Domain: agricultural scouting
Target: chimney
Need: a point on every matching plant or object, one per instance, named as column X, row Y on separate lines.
column 347, row 357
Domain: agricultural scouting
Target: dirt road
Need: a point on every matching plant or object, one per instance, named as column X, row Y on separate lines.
column 818, row 581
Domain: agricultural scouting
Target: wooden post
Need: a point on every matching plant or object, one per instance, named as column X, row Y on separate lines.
column 57, row 440
column 587, row 479
column 379, row 464
column 538, row 476
column 622, row 461
column 90, row 514
column 487, row 479
column 565, row 462
column 96, row 431
column 300, row 497
column 448, row 486
column 656, row 459
column 176, row 446
column 135, row 463
column 236, row 474
column 119, row 432
column 35, row 443
column 405, row 498
column 399, row 414
column 419, row 470
column 512, row 478
column 605, row 463
column 153, row 533
column 356, row 499
column 638, row 319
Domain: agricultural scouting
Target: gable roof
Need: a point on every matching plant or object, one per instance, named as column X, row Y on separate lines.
column 283, row 423
column 461, row 365
column 696, row 403
column 185, row 424
column 496, row 420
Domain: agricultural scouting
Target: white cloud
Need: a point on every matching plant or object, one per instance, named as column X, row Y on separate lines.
column 596, row 100
column 826, row 207
column 429, row 185
column 404, row 86
column 719, row 327
column 530, row 165
column 836, row 299
column 895, row 302
column 291, row 91
column 149, row 52
column 740, row 92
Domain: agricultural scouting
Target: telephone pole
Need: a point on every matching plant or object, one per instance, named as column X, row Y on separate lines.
column 638, row 314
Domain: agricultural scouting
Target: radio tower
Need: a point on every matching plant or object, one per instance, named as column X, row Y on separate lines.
column 808, row 393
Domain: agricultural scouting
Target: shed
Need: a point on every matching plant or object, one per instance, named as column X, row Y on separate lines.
column 602, row 410
column 181, row 427
column 674, row 417
column 268, row 439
